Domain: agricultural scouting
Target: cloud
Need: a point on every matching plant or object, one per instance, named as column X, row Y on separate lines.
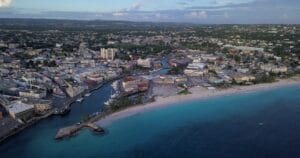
column 119, row 14
column 5, row 3
column 226, row 15
column 185, row 2
column 285, row 16
column 135, row 6
column 220, row 12
column 196, row 15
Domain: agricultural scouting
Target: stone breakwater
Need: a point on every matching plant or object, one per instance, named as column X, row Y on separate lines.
column 74, row 129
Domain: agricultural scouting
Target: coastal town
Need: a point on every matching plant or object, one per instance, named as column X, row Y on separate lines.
column 47, row 66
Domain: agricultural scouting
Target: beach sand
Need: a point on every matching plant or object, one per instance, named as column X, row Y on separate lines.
column 198, row 93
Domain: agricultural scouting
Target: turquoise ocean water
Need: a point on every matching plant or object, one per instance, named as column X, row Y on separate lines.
column 255, row 125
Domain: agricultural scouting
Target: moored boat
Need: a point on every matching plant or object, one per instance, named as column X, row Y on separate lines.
column 80, row 100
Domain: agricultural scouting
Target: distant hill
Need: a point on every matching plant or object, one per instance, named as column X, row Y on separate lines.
column 42, row 24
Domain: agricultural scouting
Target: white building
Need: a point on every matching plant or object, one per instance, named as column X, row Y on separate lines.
column 274, row 68
column 19, row 110
column 146, row 63
column 108, row 54
column 33, row 94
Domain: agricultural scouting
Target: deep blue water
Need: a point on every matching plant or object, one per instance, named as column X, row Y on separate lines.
column 253, row 125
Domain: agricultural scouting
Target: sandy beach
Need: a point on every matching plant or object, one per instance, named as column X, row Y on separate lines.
column 197, row 93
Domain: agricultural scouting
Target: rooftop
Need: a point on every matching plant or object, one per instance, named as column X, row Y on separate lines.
column 18, row 107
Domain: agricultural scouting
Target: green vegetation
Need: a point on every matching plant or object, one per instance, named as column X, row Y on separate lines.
column 175, row 71
column 180, row 85
column 265, row 79
column 202, row 46
column 145, row 50
column 85, row 118
column 184, row 92
column 121, row 103
column 35, row 65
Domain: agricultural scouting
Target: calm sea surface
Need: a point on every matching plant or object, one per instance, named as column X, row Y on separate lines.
column 251, row 125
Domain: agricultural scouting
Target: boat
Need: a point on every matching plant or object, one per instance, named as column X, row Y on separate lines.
column 63, row 111
column 114, row 96
column 80, row 100
column 88, row 94
column 115, row 85
column 106, row 103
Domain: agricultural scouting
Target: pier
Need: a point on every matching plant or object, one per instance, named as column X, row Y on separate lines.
column 74, row 129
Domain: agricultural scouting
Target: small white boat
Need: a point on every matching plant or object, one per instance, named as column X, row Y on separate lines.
column 114, row 96
column 106, row 103
column 88, row 94
column 115, row 85
column 109, row 102
column 80, row 100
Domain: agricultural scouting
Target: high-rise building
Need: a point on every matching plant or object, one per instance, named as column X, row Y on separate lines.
column 109, row 53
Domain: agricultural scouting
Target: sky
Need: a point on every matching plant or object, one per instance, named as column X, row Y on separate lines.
column 191, row 11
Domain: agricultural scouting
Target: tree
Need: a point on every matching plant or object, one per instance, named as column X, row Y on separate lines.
column 45, row 62
column 175, row 70
column 52, row 63
column 237, row 58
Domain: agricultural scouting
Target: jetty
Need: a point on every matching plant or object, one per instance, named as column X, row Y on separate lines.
column 74, row 129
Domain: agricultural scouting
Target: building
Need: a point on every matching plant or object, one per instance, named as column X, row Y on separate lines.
column 95, row 78
column 179, row 62
column 239, row 78
column 20, row 111
column 73, row 88
column 145, row 63
column 1, row 115
column 280, row 69
column 42, row 106
column 181, row 79
column 195, row 73
column 274, row 68
column 157, row 64
column 164, row 79
column 134, row 84
column 216, row 80
column 38, row 94
column 109, row 53
column 88, row 63
column 196, row 66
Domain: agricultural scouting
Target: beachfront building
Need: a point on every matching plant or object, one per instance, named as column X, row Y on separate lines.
column 240, row 78
column 133, row 84
column 170, row 79
column 216, row 80
column 274, row 68
column 164, row 79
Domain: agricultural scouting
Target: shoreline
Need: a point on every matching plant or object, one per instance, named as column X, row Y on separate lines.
column 67, row 103
column 197, row 93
